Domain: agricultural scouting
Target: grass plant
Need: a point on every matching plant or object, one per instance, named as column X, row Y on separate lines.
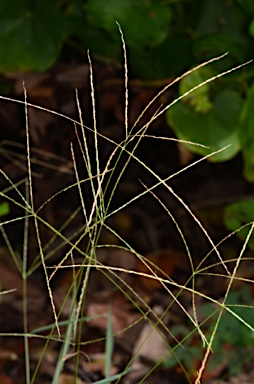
column 103, row 183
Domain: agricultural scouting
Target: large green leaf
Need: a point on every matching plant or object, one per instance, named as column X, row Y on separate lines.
column 99, row 42
column 238, row 214
column 215, row 129
column 246, row 133
column 144, row 23
column 153, row 62
column 30, row 34
column 199, row 99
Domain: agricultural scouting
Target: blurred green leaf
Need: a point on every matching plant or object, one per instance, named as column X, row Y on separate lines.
column 246, row 133
column 251, row 28
column 99, row 42
column 233, row 338
column 30, row 34
column 223, row 27
column 159, row 63
column 211, row 13
column 248, row 5
column 144, row 23
column 238, row 214
column 198, row 99
column 215, row 129
column 215, row 44
column 4, row 209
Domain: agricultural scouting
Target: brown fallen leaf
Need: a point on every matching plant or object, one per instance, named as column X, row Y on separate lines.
column 69, row 379
column 96, row 363
column 162, row 264
column 4, row 379
column 121, row 316
column 151, row 345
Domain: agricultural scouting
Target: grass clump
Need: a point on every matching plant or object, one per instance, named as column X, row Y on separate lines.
column 83, row 250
